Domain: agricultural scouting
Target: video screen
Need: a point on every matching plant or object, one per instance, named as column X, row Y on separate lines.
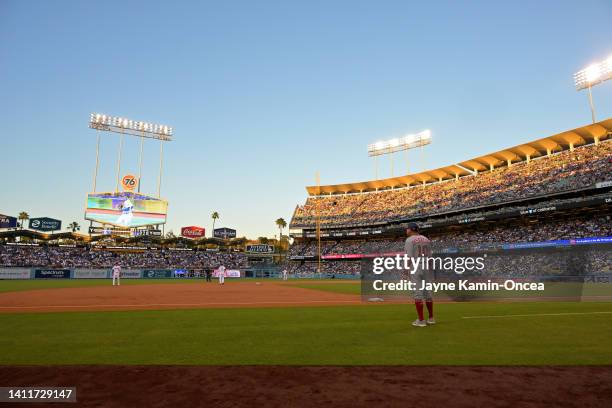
column 125, row 209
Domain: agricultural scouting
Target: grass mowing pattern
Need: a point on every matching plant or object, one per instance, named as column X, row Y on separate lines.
column 345, row 335
column 351, row 288
column 553, row 290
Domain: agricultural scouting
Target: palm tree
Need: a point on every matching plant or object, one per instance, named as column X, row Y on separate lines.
column 280, row 223
column 74, row 226
column 215, row 217
column 23, row 216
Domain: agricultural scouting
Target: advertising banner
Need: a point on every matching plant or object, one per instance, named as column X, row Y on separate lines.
column 146, row 233
column 260, row 249
column 604, row 184
column 110, row 231
column 126, row 209
column 52, row 273
column 359, row 256
column 229, row 273
column 91, row 274
column 129, row 182
column 193, row 232
column 224, row 233
column 14, row 273
column 45, row 224
column 593, row 240
column 7, row 221
column 131, row 274
column 157, row 273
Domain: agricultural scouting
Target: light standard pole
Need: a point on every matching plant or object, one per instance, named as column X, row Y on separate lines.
column 591, row 104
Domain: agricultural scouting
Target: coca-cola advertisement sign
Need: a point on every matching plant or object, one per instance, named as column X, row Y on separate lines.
column 193, row 232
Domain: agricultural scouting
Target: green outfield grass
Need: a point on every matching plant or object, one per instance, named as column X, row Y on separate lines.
column 349, row 287
column 552, row 289
column 344, row 335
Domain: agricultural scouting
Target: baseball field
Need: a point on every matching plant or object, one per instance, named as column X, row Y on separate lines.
column 269, row 333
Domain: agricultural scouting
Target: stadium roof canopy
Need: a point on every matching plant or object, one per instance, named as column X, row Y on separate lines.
column 568, row 140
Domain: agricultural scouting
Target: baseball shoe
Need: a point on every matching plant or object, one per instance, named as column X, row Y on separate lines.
column 431, row 320
column 419, row 323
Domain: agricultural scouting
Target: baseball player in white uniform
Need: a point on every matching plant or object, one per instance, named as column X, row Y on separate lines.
column 417, row 246
column 116, row 275
column 126, row 216
column 284, row 274
column 221, row 272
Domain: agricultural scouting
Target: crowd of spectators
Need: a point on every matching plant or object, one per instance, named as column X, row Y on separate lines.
column 518, row 264
column 600, row 226
column 80, row 257
column 564, row 171
column 328, row 268
column 535, row 232
column 468, row 238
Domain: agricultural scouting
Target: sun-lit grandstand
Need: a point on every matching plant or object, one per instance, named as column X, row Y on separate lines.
column 553, row 188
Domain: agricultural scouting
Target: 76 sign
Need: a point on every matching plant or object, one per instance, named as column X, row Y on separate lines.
column 129, row 182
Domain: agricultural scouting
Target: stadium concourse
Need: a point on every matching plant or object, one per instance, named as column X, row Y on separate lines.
column 552, row 190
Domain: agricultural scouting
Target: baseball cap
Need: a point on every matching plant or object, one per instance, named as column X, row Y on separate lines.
column 413, row 226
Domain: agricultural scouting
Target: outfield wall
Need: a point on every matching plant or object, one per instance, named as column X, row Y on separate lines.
column 86, row 273
column 82, row 273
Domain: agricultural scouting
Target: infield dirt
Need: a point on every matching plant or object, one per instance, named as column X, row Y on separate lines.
column 272, row 386
column 170, row 296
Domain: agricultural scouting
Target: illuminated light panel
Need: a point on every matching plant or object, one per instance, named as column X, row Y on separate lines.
column 124, row 125
column 401, row 143
column 593, row 74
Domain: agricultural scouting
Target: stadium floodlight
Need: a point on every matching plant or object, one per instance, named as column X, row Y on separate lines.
column 125, row 126
column 116, row 124
column 592, row 75
column 398, row 144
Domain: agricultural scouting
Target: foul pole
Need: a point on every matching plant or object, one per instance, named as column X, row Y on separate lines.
column 318, row 223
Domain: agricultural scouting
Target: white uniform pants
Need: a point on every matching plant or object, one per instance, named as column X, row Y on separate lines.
column 117, row 279
column 221, row 279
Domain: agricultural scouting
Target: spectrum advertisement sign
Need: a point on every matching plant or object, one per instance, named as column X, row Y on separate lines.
column 193, row 232
column 125, row 209
column 52, row 273
column 45, row 224
column 7, row 221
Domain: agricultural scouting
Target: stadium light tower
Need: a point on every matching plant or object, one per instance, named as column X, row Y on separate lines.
column 398, row 144
column 123, row 126
column 592, row 75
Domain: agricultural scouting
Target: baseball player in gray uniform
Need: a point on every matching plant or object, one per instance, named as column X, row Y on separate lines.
column 418, row 246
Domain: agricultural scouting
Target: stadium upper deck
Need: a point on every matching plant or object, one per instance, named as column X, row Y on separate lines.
column 569, row 161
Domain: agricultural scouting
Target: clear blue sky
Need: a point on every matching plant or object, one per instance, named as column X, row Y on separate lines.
column 263, row 94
